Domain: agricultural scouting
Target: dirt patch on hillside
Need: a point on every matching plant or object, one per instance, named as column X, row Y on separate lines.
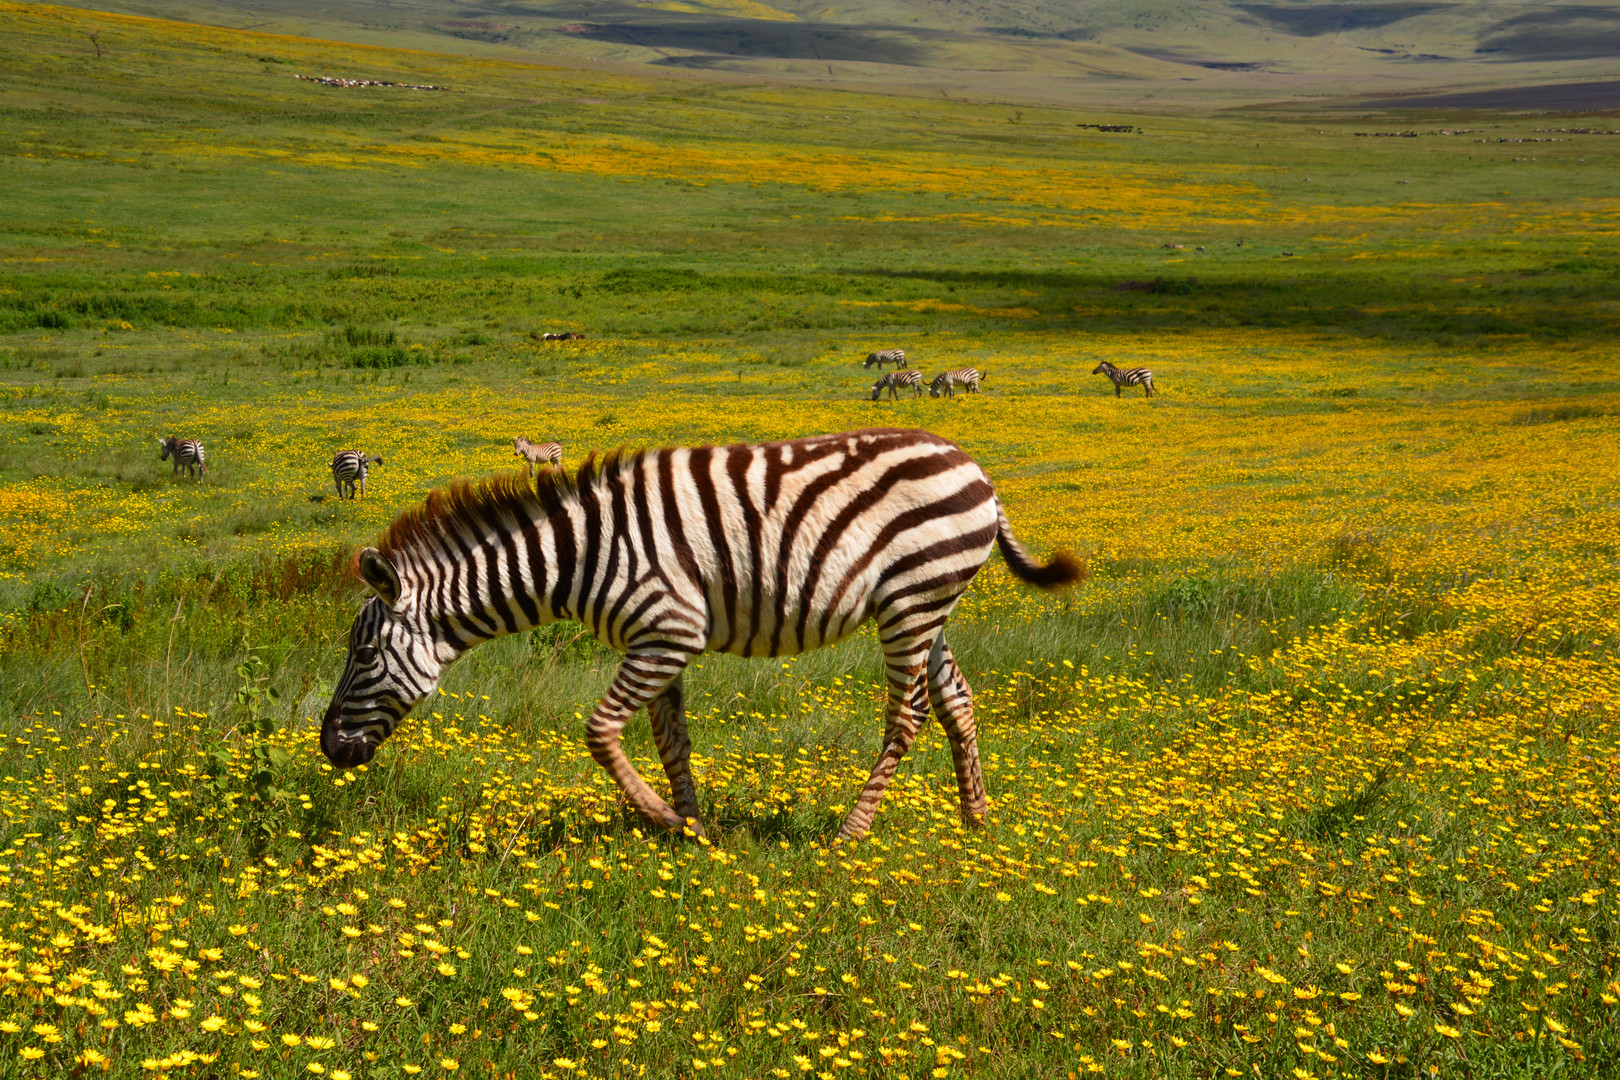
column 1560, row 97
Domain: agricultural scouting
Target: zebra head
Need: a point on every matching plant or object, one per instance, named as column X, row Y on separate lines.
column 877, row 387
column 937, row 387
column 518, row 445
column 171, row 445
column 392, row 665
column 1103, row 368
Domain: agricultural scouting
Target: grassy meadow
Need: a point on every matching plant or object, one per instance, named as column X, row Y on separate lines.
column 1314, row 777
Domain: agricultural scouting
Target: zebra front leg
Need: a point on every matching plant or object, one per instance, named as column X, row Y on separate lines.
column 900, row 726
column 667, row 712
column 641, row 678
column 952, row 701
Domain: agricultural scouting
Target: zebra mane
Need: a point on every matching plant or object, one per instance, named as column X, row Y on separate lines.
column 467, row 508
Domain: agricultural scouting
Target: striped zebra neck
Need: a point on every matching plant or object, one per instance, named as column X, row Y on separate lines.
column 481, row 561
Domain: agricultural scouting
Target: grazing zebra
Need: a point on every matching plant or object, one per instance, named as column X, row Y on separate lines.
column 535, row 453
column 1136, row 376
column 767, row 550
column 896, row 381
column 946, row 381
column 350, row 467
column 187, row 454
column 897, row 357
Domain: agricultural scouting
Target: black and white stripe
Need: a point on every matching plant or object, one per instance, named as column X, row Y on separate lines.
column 897, row 357
column 764, row 550
column 349, row 468
column 946, row 381
column 895, row 381
column 1123, row 377
column 533, row 454
column 187, row 454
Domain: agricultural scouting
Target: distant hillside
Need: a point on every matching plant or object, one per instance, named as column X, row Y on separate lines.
column 1119, row 51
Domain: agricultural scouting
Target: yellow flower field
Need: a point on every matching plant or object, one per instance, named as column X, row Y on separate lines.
column 1383, row 841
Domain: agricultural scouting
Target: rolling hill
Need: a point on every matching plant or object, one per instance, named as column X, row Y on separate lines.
column 1073, row 51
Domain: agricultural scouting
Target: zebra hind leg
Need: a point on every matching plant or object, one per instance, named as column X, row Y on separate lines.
column 903, row 719
column 667, row 712
column 952, row 701
column 642, row 677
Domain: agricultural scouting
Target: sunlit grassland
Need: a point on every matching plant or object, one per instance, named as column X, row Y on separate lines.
column 1315, row 776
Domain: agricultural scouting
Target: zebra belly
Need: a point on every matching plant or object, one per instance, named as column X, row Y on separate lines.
column 746, row 639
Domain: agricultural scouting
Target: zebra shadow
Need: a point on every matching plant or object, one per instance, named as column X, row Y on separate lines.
column 723, row 823
column 797, row 827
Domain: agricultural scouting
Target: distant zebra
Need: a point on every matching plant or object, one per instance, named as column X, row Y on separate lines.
column 769, row 550
column 536, row 453
column 897, row 357
column 348, row 468
column 1136, row 376
column 946, row 381
column 896, row 381
column 187, row 453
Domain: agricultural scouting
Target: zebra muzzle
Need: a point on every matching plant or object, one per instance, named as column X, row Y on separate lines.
column 345, row 749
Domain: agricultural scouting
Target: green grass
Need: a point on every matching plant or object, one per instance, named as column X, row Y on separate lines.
column 1349, row 627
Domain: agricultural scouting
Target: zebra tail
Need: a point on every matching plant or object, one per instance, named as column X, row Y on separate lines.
column 1064, row 569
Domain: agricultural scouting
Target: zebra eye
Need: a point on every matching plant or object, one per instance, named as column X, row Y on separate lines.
column 366, row 654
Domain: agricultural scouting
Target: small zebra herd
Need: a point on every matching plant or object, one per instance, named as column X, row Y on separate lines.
column 905, row 377
column 349, row 467
column 944, row 384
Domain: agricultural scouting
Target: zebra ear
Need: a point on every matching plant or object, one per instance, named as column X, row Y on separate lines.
column 377, row 572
